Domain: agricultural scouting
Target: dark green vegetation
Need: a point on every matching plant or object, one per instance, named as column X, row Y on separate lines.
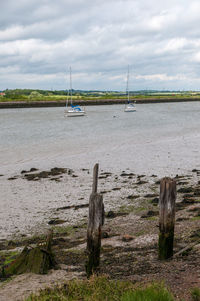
column 7, row 257
column 101, row 288
column 36, row 260
column 29, row 95
column 30, row 260
column 195, row 293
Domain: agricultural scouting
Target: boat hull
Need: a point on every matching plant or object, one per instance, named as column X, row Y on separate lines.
column 74, row 113
column 130, row 109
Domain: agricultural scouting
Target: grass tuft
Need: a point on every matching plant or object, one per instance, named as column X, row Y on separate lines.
column 152, row 292
column 195, row 293
column 101, row 288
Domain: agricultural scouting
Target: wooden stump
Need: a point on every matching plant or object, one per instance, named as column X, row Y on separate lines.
column 167, row 217
column 95, row 222
column 36, row 260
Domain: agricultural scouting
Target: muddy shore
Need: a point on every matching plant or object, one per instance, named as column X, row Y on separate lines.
column 130, row 233
column 38, row 104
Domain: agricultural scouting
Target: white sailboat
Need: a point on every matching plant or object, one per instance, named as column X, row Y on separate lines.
column 73, row 110
column 129, row 107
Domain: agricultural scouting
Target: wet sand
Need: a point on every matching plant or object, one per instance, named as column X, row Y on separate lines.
column 28, row 205
column 30, row 200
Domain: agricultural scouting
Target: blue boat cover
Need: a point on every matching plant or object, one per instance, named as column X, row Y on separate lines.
column 77, row 108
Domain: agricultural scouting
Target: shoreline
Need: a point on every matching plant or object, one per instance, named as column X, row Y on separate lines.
column 93, row 102
column 41, row 195
column 129, row 236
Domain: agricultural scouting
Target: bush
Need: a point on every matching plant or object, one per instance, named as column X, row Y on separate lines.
column 35, row 94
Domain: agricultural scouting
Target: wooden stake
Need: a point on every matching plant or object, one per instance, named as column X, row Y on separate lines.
column 95, row 178
column 167, row 217
column 96, row 221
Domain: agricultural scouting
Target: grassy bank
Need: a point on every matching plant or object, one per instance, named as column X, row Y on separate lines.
column 33, row 98
column 89, row 102
column 101, row 288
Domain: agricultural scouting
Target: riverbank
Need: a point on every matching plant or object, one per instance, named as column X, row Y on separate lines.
column 91, row 102
column 129, row 237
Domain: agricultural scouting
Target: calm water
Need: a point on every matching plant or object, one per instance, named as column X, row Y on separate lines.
column 158, row 138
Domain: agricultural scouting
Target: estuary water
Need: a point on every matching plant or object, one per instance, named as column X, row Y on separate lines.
column 158, row 138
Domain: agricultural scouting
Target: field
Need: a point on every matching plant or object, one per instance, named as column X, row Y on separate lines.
column 27, row 95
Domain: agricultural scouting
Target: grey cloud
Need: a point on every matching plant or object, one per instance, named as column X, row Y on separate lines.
column 41, row 38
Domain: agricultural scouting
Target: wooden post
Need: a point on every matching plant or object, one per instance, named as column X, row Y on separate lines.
column 95, row 178
column 95, row 222
column 167, row 217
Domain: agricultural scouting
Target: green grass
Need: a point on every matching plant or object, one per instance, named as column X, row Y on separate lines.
column 154, row 292
column 196, row 218
column 140, row 233
column 68, row 230
column 8, row 257
column 28, row 95
column 195, row 294
column 102, row 289
column 131, row 208
column 152, row 218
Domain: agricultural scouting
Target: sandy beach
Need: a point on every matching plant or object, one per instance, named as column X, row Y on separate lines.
column 29, row 204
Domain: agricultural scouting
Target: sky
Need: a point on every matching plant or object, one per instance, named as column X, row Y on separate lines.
column 41, row 39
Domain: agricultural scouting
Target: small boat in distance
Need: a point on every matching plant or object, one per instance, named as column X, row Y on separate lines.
column 129, row 107
column 73, row 110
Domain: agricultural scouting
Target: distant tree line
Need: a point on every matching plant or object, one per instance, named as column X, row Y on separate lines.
column 58, row 95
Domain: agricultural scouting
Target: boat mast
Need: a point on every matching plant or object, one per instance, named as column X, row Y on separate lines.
column 67, row 92
column 70, row 77
column 127, row 85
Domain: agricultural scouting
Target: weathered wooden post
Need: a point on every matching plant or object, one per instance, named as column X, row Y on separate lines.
column 95, row 222
column 167, row 217
column 37, row 260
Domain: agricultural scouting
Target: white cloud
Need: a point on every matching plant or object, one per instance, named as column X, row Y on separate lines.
column 162, row 77
column 196, row 57
column 99, row 38
column 172, row 45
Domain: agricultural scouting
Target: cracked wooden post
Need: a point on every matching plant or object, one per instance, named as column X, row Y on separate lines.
column 167, row 217
column 95, row 222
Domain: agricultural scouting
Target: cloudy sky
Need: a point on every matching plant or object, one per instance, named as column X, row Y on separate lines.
column 40, row 39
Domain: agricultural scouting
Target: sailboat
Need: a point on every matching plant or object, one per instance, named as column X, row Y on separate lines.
column 73, row 110
column 129, row 107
